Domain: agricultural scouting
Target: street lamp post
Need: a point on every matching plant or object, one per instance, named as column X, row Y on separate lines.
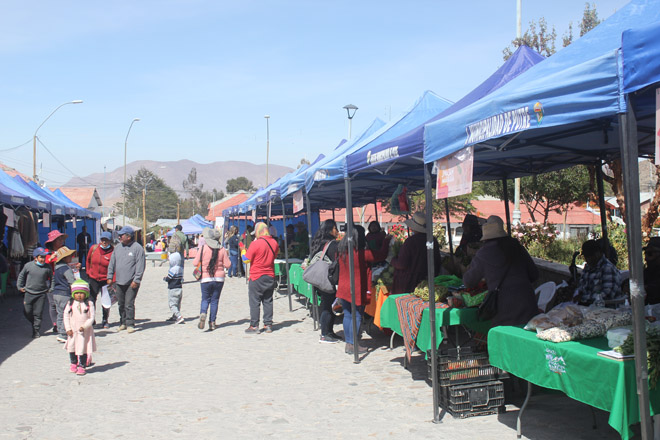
column 125, row 147
column 34, row 138
column 267, row 145
column 350, row 108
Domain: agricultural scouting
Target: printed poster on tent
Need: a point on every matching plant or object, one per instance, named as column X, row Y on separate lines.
column 298, row 201
column 455, row 174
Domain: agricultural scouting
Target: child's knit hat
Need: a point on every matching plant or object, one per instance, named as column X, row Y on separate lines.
column 80, row 286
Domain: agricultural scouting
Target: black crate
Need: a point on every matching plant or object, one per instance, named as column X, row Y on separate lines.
column 474, row 399
column 464, row 366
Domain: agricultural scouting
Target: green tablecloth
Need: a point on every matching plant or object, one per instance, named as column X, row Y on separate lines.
column 301, row 286
column 574, row 368
column 389, row 317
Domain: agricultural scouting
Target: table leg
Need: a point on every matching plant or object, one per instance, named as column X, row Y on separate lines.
column 593, row 416
column 392, row 340
column 522, row 408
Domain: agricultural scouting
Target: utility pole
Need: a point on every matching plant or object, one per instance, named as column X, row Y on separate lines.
column 178, row 205
column 516, row 182
column 144, row 217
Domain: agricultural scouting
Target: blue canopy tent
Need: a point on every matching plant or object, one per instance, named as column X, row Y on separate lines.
column 11, row 197
column 567, row 110
column 201, row 221
column 54, row 207
column 17, row 194
column 59, row 208
column 80, row 211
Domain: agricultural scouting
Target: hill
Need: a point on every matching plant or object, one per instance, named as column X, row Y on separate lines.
column 212, row 175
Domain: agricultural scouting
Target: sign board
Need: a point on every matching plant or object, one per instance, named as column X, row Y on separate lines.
column 455, row 174
column 298, row 203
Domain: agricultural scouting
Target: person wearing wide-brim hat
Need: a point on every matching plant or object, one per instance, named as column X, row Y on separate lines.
column 652, row 271
column 410, row 265
column 213, row 259
column 502, row 261
column 125, row 271
column 63, row 277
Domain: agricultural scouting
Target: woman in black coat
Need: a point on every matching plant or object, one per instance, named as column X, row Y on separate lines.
column 327, row 233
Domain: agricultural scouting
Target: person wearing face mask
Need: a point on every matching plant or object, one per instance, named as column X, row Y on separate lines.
column 98, row 260
column 34, row 283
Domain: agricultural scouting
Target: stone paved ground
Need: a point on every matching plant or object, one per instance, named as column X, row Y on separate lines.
column 176, row 381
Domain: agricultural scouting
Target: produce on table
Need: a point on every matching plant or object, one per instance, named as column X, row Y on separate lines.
column 586, row 330
column 422, row 291
column 652, row 352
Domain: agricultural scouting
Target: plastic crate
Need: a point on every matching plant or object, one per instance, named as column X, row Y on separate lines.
column 463, row 366
column 474, row 399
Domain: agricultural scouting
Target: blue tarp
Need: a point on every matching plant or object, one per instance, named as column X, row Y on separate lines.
column 559, row 113
column 407, row 149
column 641, row 57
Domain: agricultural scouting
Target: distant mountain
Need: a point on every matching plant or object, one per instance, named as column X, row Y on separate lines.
column 212, row 175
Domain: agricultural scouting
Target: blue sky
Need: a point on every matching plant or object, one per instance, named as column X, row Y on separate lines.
column 201, row 74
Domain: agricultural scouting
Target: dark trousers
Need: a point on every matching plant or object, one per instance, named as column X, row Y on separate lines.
column 33, row 308
column 126, row 302
column 325, row 308
column 261, row 291
column 52, row 308
column 78, row 360
column 95, row 287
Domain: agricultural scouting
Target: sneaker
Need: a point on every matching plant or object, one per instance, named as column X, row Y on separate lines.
column 130, row 329
column 212, row 326
column 171, row 319
column 202, row 320
column 80, row 371
column 335, row 336
column 328, row 339
column 180, row 320
column 105, row 324
column 73, row 368
column 54, row 328
column 121, row 327
column 267, row 329
column 61, row 338
column 251, row 329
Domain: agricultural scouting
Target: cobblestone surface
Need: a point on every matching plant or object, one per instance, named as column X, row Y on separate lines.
column 177, row 381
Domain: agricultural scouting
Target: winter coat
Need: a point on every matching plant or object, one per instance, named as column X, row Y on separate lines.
column 76, row 315
column 204, row 255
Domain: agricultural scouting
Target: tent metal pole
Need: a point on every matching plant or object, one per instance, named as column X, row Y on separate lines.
column 351, row 268
column 333, row 215
column 629, row 154
column 315, row 305
column 601, row 205
column 506, row 205
column 246, row 267
column 286, row 257
column 451, row 244
column 430, row 266
column 376, row 211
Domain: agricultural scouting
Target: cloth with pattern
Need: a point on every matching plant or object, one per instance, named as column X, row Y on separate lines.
column 410, row 310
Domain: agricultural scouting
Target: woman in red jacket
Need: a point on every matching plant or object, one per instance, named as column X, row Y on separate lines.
column 361, row 259
column 97, row 262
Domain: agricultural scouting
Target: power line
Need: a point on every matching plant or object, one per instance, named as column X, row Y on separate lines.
column 17, row 147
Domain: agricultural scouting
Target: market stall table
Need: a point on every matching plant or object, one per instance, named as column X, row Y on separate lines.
column 576, row 369
column 280, row 269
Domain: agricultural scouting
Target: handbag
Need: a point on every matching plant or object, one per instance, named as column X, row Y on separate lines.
column 488, row 308
column 197, row 273
column 316, row 272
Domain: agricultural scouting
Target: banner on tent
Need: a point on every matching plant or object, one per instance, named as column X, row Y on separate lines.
column 254, row 216
column 657, row 127
column 219, row 223
column 46, row 219
column 298, row 201
column 455, row 174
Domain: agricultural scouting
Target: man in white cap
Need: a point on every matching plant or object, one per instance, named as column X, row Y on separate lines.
column 127, row 265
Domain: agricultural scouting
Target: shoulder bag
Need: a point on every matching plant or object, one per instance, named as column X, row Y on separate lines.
column 488, row 308
column 316, row 272
column 197, row 273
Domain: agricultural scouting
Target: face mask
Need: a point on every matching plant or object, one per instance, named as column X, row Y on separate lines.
column 39, row 263
column 105, row 247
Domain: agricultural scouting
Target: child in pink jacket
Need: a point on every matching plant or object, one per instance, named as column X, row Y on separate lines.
column 78, row 323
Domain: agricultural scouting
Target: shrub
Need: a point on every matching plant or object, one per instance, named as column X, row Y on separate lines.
column 528, row 233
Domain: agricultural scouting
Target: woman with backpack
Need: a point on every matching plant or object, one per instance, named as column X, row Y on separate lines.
column 213, row 259
column 98, row 259
column 326, row 238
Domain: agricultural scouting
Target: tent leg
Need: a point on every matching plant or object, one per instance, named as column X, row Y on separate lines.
column 315, row 304
column 449, row 236
column 506, row 206
column 430, row 266
column 629, row 154
column 286, row 258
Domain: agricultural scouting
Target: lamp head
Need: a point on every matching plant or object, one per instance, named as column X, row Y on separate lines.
column 77, row 101
column 136, row 119
column 267, row 116
column 350, row 110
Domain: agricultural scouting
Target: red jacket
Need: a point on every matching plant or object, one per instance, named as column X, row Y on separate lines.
column 262, row 253
column 97, row 262
column 361, row 261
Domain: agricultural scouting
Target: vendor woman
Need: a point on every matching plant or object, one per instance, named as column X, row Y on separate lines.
column 504, row 262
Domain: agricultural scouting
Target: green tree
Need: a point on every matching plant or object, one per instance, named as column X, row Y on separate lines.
column 303, row 161
column 238, row 184
column 161, row 199
column 541, row 40
column 544, row 193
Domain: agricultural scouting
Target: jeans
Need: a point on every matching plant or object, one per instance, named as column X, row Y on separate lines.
column 211, row 294
column 233, row 257
column 348, row 321
column 174, row 297
column 61, row 302
column 327, row 317
column 95, row 287
column 126, row 302
column 33, row 308
column 261, row 291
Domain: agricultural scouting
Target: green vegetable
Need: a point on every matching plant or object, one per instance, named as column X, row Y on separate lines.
column 652, row 353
